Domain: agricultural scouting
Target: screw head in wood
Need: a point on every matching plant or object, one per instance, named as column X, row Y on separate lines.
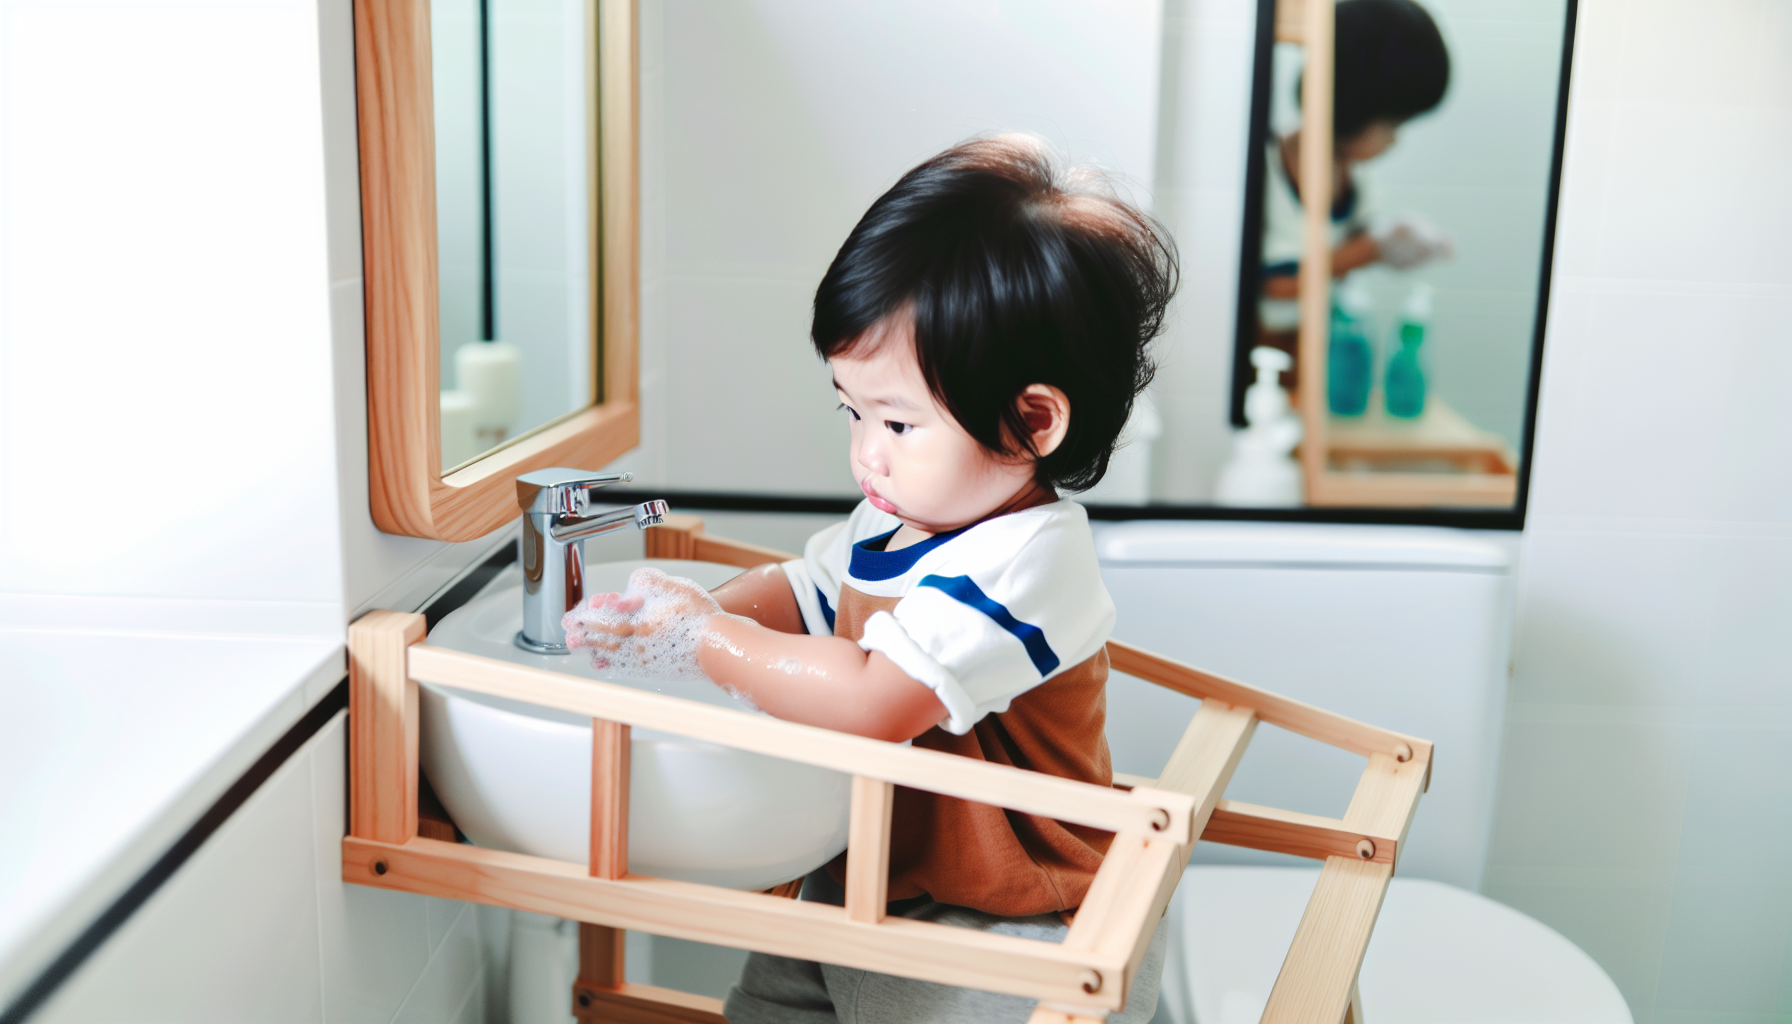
column 379, row 867
column 1365, row 848
column 1091, row 982
column 1402, row 753
column 585, row 1000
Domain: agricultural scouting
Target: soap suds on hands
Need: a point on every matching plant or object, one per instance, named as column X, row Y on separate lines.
column 652, row 630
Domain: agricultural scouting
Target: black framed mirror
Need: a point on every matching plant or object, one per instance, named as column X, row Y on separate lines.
column 820, row 108
column 1447, row 126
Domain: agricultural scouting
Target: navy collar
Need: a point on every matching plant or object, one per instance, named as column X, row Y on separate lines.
column 871, row 562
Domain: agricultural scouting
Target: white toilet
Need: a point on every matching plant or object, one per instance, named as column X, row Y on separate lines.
column 1408, row 628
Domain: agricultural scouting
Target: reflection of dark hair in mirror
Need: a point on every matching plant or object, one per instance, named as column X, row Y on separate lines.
column 1392, row 64
column 1016, row 271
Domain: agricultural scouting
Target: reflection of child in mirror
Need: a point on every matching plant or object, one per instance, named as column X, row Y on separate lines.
column 986, row 323
column 1392, row 65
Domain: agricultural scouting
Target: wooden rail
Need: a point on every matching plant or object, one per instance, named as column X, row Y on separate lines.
column 1141, row 810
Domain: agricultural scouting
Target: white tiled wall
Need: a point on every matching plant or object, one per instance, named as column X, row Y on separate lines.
column 1647, row 774
column 259, row 926
column 148, row 313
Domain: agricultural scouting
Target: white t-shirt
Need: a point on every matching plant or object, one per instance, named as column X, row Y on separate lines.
column 982, row 615
column 1284, row 230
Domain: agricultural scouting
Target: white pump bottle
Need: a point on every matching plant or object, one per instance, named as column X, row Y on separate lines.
column 1262, row 472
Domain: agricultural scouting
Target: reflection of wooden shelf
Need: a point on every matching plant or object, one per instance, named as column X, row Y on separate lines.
column 1439, row 435
column 1437, row 458
column 1379, row 489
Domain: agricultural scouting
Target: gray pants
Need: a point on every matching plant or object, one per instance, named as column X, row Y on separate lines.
column 779, row 990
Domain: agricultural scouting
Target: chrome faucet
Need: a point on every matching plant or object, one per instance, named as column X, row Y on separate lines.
column 558, row 515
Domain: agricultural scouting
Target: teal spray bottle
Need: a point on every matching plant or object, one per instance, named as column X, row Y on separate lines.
column 1404, row 386
column 1349, row 363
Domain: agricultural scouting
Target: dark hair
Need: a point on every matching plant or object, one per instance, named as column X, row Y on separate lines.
column 1392, row 64
column 1015, row 271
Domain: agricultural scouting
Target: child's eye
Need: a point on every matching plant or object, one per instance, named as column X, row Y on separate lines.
column 898, row 428
column 850, row 411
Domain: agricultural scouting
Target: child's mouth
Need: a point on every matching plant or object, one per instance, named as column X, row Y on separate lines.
column 876, row 502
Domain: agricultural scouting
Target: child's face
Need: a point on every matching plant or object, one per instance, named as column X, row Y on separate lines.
column 909, row 456
column 1370, row 143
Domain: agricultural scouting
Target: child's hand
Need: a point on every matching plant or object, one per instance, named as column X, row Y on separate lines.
column 652, row 630
column 1406, row 241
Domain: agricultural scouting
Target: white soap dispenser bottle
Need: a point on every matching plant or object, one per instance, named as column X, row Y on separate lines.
column 1262, row 472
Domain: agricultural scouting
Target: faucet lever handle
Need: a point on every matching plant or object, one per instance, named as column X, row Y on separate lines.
column 566, row 492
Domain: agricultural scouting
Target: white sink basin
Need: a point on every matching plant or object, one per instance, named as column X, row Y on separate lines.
column 517, row 777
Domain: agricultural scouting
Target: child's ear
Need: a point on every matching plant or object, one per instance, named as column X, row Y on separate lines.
column 1046, row 411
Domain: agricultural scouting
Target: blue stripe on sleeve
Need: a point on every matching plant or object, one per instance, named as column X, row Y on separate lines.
column 965, row 591
column 826, row 612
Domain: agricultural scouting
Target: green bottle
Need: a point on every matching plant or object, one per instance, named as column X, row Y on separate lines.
column 1350, row 368
column 1404, row 386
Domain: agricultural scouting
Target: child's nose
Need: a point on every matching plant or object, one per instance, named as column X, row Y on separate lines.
column 871, row 456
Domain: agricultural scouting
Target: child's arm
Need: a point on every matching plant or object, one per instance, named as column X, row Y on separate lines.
column 763, row 595
column 818, row 680
column 665, row 624
column 1359, row 250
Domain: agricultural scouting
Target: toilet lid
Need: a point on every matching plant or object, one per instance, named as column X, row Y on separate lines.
column 1440, row 955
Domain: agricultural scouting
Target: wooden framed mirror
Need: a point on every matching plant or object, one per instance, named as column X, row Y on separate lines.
column 413, row 492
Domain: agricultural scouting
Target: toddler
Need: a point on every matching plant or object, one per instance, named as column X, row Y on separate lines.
column 986, row 323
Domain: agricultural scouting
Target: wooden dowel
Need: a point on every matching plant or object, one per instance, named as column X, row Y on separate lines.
column 630, row 1003
column 744, row 920
column 736, row 552
column 1319, row 974
column 1169, row 815
column 1386, row 798
column 382, row 715
column 675, row 537
column 868, row 850
column 1123, row 905
column 1327, row 727
column 1208, row 754
column 682, row 536
column 609, row 798
column 1303, row 835
column 602, row 956
column 1316, row 243
column 1291, row 16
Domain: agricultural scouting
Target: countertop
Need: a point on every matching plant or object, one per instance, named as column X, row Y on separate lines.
column 112, row 745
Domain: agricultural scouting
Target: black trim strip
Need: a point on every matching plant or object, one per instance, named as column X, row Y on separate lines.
column 1250, row 245
column 1546, row 274
column 96, row 934
column 488, row 289
column 469, row 585
column 1464, row 519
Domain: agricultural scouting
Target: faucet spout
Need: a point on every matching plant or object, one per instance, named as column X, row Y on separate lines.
column 560, row 511
column 648, row 513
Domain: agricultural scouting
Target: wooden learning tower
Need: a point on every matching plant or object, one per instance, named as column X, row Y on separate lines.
column 1156, row 824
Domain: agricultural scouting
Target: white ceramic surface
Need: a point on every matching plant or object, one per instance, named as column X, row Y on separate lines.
column 518, row 777
column 1440, row 955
